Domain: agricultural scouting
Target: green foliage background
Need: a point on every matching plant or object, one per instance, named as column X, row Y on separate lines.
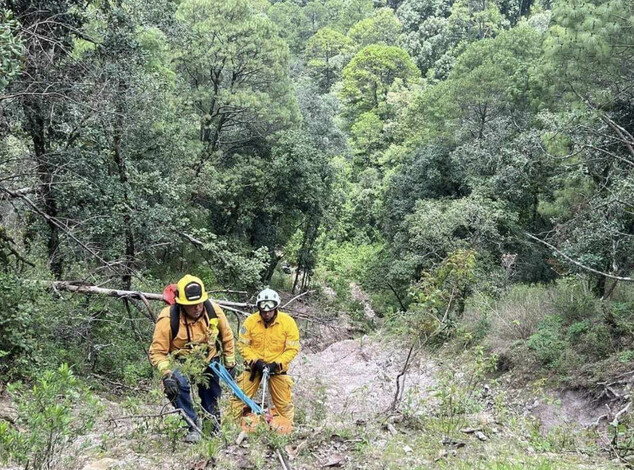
column 407, row 147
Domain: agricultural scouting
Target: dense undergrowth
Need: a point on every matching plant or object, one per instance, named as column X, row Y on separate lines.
column 562, row 329
column 452, row 175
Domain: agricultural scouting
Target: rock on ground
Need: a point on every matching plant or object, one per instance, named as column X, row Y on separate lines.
column 102, row 464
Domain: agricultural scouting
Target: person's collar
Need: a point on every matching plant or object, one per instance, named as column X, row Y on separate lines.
column 275, row 321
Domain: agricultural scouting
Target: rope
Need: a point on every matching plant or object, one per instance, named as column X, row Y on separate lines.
column 224, row 375
column 265, row 382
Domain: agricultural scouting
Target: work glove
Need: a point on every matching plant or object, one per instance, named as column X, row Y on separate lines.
column 259, row 365
column 170, row 385
column 233, row 372
column 256, row 367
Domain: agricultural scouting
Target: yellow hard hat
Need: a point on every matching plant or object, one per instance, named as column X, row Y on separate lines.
column 191, row 291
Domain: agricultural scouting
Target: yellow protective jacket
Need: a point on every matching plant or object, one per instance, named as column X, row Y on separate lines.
column 199, row 332
column 279, row 342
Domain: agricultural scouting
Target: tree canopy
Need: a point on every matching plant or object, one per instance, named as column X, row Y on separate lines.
column 387, row 141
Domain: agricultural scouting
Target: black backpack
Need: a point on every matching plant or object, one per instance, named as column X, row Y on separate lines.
column 175, row 315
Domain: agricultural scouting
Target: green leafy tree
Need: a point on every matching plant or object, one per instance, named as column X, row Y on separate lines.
column 587, row 81
column 46, row 104
column 292, row 24
column 436, row 32
column 317, row 15
column 319, row 112
column 515, row 10
column 353, row 12
column 236, row 69
column 437, row 228
column 368, row 77
column 383, row 27
column 425, row 173
column 296, row 164
column 425, row 30
column 471, row 20
column 326, row 53
column 443, row 293
column 491, row 80
column 366, row 133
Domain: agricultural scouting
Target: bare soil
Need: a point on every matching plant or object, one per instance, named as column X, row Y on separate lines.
column 357, row 377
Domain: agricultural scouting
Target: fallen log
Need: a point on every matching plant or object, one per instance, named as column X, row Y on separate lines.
column 70, row 286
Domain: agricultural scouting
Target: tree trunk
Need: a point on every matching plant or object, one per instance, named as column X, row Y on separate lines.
column 274, row 259
column 297, row 271
column 600, row 288
column 35, row 128
column 130, row 249
column 300, row 263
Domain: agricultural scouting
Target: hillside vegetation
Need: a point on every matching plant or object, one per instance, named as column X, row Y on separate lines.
column 452, row 178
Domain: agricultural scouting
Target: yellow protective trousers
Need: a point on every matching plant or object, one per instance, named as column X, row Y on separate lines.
column 279, row 388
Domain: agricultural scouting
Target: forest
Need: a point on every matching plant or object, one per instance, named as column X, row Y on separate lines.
column 452, row 177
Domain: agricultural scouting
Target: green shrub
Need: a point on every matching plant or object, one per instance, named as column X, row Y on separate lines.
column 595, row 343
column 576, row 330
column 18, row 343
column 547, row 343
column 621, row 315
column 48, row 420
column 574, row 301
column 443, row 291
column 135, row 372
column 626, row 356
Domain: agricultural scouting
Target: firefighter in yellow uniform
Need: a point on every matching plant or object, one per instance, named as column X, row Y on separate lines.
column 194, row 321
column 268, row 339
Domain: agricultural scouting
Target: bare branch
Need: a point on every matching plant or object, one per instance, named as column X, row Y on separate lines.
column 577, row 263
column 59, row 225
column 296, row 297
column 17, row 193
column 191, row 239
column 126, row 294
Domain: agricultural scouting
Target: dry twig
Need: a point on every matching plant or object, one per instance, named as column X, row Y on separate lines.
column 296, row 297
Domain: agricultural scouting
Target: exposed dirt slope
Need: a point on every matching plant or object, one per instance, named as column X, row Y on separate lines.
column 357, row 377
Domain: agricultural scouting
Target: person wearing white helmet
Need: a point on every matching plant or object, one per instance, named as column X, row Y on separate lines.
column 269, row 339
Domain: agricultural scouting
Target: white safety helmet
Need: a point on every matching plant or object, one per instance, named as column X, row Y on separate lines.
column 268, row 300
